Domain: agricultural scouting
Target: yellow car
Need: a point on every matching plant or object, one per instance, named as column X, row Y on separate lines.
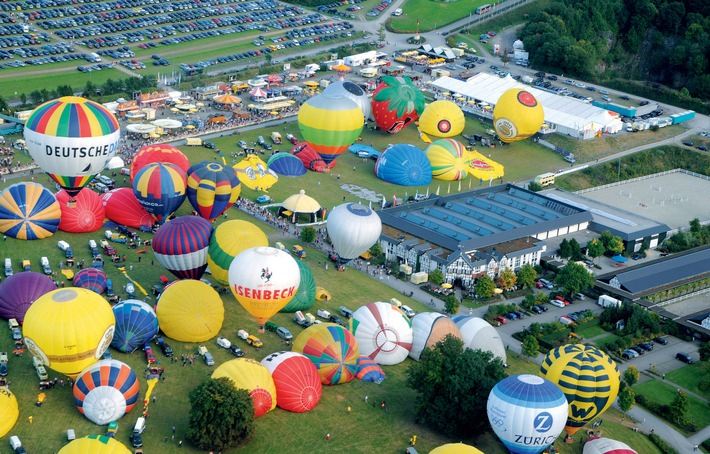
column 298, row 251
column 254, row 341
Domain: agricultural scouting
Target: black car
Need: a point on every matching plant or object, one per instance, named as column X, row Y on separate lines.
column 638, row 350
column 520, row 314
column 702, row 148
column 136, row 439
column 646, row 346
column 688, row 144
column 643, row 103
column 661, row 340
column 164, row 347
column 336, row 319
column 536, row 309
column 638, row 256
column 236, row 351
column 208, row 144
column 552, row 77
column 684, row 357
column 624, row 97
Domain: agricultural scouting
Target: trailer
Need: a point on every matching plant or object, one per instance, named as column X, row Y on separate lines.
column 608, row 301
column 682, row 117
column 626, row 111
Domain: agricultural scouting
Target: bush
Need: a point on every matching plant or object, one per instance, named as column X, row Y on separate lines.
column 661, row 444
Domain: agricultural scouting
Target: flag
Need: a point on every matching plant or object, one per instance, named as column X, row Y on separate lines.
column 427, row 191
column 448, row 190
column 459, row 185
column 437, row 189
column 383, row 200
column 394, row 200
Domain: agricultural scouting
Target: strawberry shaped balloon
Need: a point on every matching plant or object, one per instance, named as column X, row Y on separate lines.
column 396, row 103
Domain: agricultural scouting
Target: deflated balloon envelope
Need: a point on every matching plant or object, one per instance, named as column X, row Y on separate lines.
column 405, row 165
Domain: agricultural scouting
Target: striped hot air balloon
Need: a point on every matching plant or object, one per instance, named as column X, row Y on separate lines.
column 160, row 188
column 330, row 125
column 28, row 211
column 298, row 386
column 91, row 279
column 136, row 324
column 229, row 239
column 212, row 188
column 368, row 370
column 449, row 160
column 251, row 375
column 305, row 296
column 588, row 378
column 159, row 152
column 105, row 391
column 430, row 328
column 333, row 350
column 84, row 213
column 72, row 139
column 383, row 332
column 181, row 246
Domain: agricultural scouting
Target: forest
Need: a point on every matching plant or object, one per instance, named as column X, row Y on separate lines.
column 662, row 41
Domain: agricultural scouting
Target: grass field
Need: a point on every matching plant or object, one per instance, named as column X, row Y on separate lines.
column 431, row 14
column 606, row 340
column 663, row 393
column 590, row 329
column 689, row 377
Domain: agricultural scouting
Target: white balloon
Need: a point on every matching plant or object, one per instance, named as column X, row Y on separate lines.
column 606, row 446
column 430, row 328
column 478, row 334
column 383, row 332
column 352, row 91
column 353, row 229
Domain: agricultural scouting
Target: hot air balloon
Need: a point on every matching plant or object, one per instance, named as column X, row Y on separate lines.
column 28, row 211
column 69, row 329
column 136, row 324
column 353, row 229
column 105, row 391
column 527, row 413
column 341, row 88
column 305, row 297
column 286, row 164
column 264, row 279
column 91, row 279
column 190, row 311
column 309, row 157
column 160, row 188
column 72, row 139
column 82, row 214
column 455, row 448
column 405, row 165
column 330, row 125
column 442, row 119
column 396, row 103
column 333, row 350
column 181, row 245
column 95, row 444
column 19, row 291
column 10, row 411
column 159, row 152
column 484, row 168
column 254, row 174
column 229, row 240
column 123, row 208
column 298, row 386
column 251, row 375
column 478, row 334
column 599, row 445
column 383, row 332
column 449, row 160
column 212, row 188
column 588, row 378
column 517, row 115
column 369, row 371
column 430, row 328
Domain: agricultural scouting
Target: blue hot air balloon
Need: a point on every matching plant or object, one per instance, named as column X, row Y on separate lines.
column 28, row 211
column 527, row 413
column 405, row 165
column 19, row 291
column 91, row 279
column 287, row 165
column 136, row 324
column 369, row 371
column 160, row 188
column 181, row 245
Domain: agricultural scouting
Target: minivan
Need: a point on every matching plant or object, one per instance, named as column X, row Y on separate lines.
column 547, row 284
column 408, row 311
column 283, row 333
column 8, row 267
column 684, row 357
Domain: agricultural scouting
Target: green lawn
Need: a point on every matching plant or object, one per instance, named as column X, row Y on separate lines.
column 606, row 340
column 431, row 14
column 689, row 377
column 590, row 329
column 663, row 393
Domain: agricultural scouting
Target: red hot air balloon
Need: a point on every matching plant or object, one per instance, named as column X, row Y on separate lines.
column 309, row 157
column 122, row 207
column 84, row 213
column 298, row 386
column 161, row 152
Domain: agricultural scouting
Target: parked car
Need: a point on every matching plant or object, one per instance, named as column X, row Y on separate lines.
column 638, row 350
column 164, row 347
column 284, row 333
column 661, row 340
column 629, row 354
column 646, row 346
column 511, row 316
column 263, row 199
column 686, row 358
column 520, row 314
column 557, row 303
column 254, row 341
column 579, row 296
column 536, row 309
column 501, row 320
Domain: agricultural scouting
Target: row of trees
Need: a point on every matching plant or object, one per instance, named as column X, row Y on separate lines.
column 697, row 235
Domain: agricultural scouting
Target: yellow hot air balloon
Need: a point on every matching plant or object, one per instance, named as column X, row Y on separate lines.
column 69, row 329
column 95, row 444
column 484, row 168
column 517, row 115
column 253, row 376
column 455, row 448
column 264, row 280
column 255, row 174
column 228, row 241
column 190, row 311
column 449, row 160
column 442, row 119
column 588, row 378
column 9, row 411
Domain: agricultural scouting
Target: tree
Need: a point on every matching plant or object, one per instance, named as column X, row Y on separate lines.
column 616, row 245
column 221, row 416
column 595, row 248
column 705, row 352
column 65, row 90
column 575, row 250
column 36, row 97
column 573, row 278
column 507, row 279
column 631, row 375
column 308, row 234
column 565, row 251
column 484, row 286
column 528, row 301
column 535, row 187
column 530, row 346
column 452, row 304
column 453, row 386
column 23, row 99
column 626, row 399
column 436, row 277
column 678, row 409
column 376, row 249
column 526, row 276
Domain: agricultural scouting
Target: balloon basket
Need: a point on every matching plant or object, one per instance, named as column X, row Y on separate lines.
column 261, row 329
column 71, row 203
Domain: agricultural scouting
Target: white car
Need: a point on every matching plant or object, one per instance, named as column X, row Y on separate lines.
column 557, row 303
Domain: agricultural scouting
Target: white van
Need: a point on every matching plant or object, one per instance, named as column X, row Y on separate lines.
column 408, row 311
column 140, row 425
column 8, row 267
column 15, row 442
column 322, row 313
column 44, row 262
column 92, row 244
column 63, row 245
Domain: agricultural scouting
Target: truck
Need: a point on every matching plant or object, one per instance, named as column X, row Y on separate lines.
column 621, row 110
column 682, row 117
column 44, row 261
column 8, row 267
column 608, row 301
column 276, row 137
column 193, row 142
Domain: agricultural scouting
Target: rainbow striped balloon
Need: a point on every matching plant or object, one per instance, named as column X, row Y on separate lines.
column 588, row 378
column 72, row 139
column 333, row 349
column 449, row 160
column 212, row 188
column 330, row 125
column 160, row 188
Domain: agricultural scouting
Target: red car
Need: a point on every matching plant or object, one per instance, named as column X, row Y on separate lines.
column 501, row 320
column 149, row 355
column 560, row 298
column 109, row 250
column 538, row 284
